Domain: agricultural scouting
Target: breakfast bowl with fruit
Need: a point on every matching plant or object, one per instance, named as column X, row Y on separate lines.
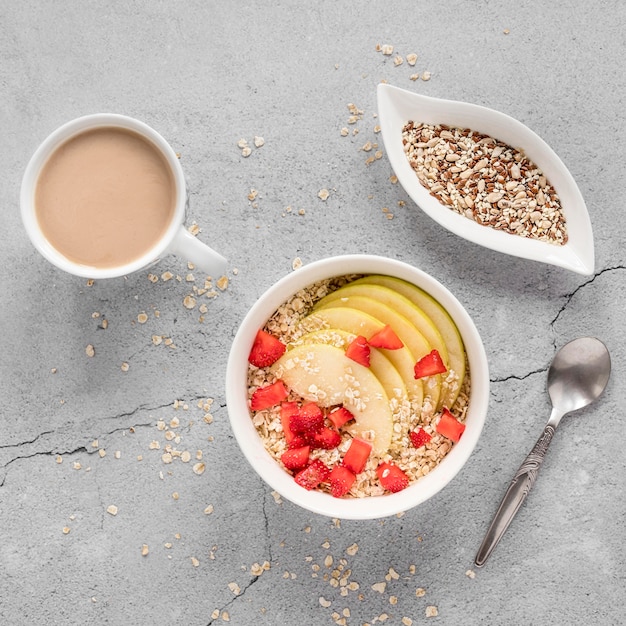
column 357, row 386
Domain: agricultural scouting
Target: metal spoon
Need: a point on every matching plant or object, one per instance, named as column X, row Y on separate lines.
column 577, row 376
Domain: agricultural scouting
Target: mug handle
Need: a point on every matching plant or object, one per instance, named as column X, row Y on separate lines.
column 188, row 247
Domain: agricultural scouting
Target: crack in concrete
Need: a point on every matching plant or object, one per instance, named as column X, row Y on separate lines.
column 56, row 451
column 569, row 297
column 53, row 448
column 230, row 603
column 505, row 379
column 254, row 578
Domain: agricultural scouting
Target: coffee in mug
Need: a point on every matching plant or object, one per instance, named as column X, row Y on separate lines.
column 105, row 196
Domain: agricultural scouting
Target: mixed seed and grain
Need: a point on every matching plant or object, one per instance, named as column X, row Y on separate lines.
column 286, row 324
column 485, row 180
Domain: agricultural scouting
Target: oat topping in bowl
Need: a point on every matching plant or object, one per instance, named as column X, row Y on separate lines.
column 359, row 385
column 485, row 180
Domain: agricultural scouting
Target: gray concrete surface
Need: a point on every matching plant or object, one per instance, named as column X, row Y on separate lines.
column 77, row 433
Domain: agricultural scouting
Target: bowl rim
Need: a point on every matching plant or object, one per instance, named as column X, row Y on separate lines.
column 252, row 446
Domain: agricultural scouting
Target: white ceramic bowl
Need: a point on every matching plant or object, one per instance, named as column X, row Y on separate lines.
column 252, row 445
column 397, row 106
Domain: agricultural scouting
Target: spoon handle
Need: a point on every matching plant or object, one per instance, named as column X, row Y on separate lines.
column 516, row 494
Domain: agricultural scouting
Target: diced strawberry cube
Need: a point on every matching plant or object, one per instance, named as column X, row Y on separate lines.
column 265, row 397
column 287, row 409
column 359, row 351
column 298, row 441
column 266, row 349
column 391, row 477
column 356, row 456
column 419, row 437
column 311, row 476
column 326, row 438
column 385, row 338
column 449, row 426
column 429, row 365
column 341, row 480
column 340, row 416
column 296, row 458
column 309, row 419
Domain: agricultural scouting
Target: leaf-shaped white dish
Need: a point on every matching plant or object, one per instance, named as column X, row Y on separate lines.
column 398, row 106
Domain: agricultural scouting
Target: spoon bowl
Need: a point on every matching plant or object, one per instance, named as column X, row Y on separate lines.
column 577, row 376
column 397, row 106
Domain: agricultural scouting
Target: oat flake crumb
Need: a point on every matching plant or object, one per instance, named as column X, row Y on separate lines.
column 125, row 367
column 145, row 550
column 112, row 509
column 432, row 611
column 90, row 350
column 195, row 561
column 323, row 194
column 420, row 592
column 142, row 318
column 189, row 302
column 199, row 468
column 296, row 263
column 470, row 573
column 380, row 587
column 66, row 530
column 222, row 283
column 411, row 58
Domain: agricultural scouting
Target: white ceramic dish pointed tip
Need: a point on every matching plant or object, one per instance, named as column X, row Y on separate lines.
column 397, row 106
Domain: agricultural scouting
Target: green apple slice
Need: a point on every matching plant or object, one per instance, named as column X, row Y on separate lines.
column 359, row 323
column 439, row 317
column 406, row 331
column 398, row 303
column 322, row 373
column 380, row 365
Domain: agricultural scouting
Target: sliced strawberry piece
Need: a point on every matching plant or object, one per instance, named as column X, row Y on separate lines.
column 340, row 416
column 266, row 349
column 449, row 426
column 391, row 477
column 298, row 441
column 296, row 458
column 357, row 455
column 385, row 338
column 312, row 475
column 341, row 480
column 308, row 420
column 419, row 437
column 429, row 365
column 287, row 409
column 359, row 351
column 326, row 438
column 265, row 397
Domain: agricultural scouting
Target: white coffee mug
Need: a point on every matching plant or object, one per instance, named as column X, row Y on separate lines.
column 176, row 239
